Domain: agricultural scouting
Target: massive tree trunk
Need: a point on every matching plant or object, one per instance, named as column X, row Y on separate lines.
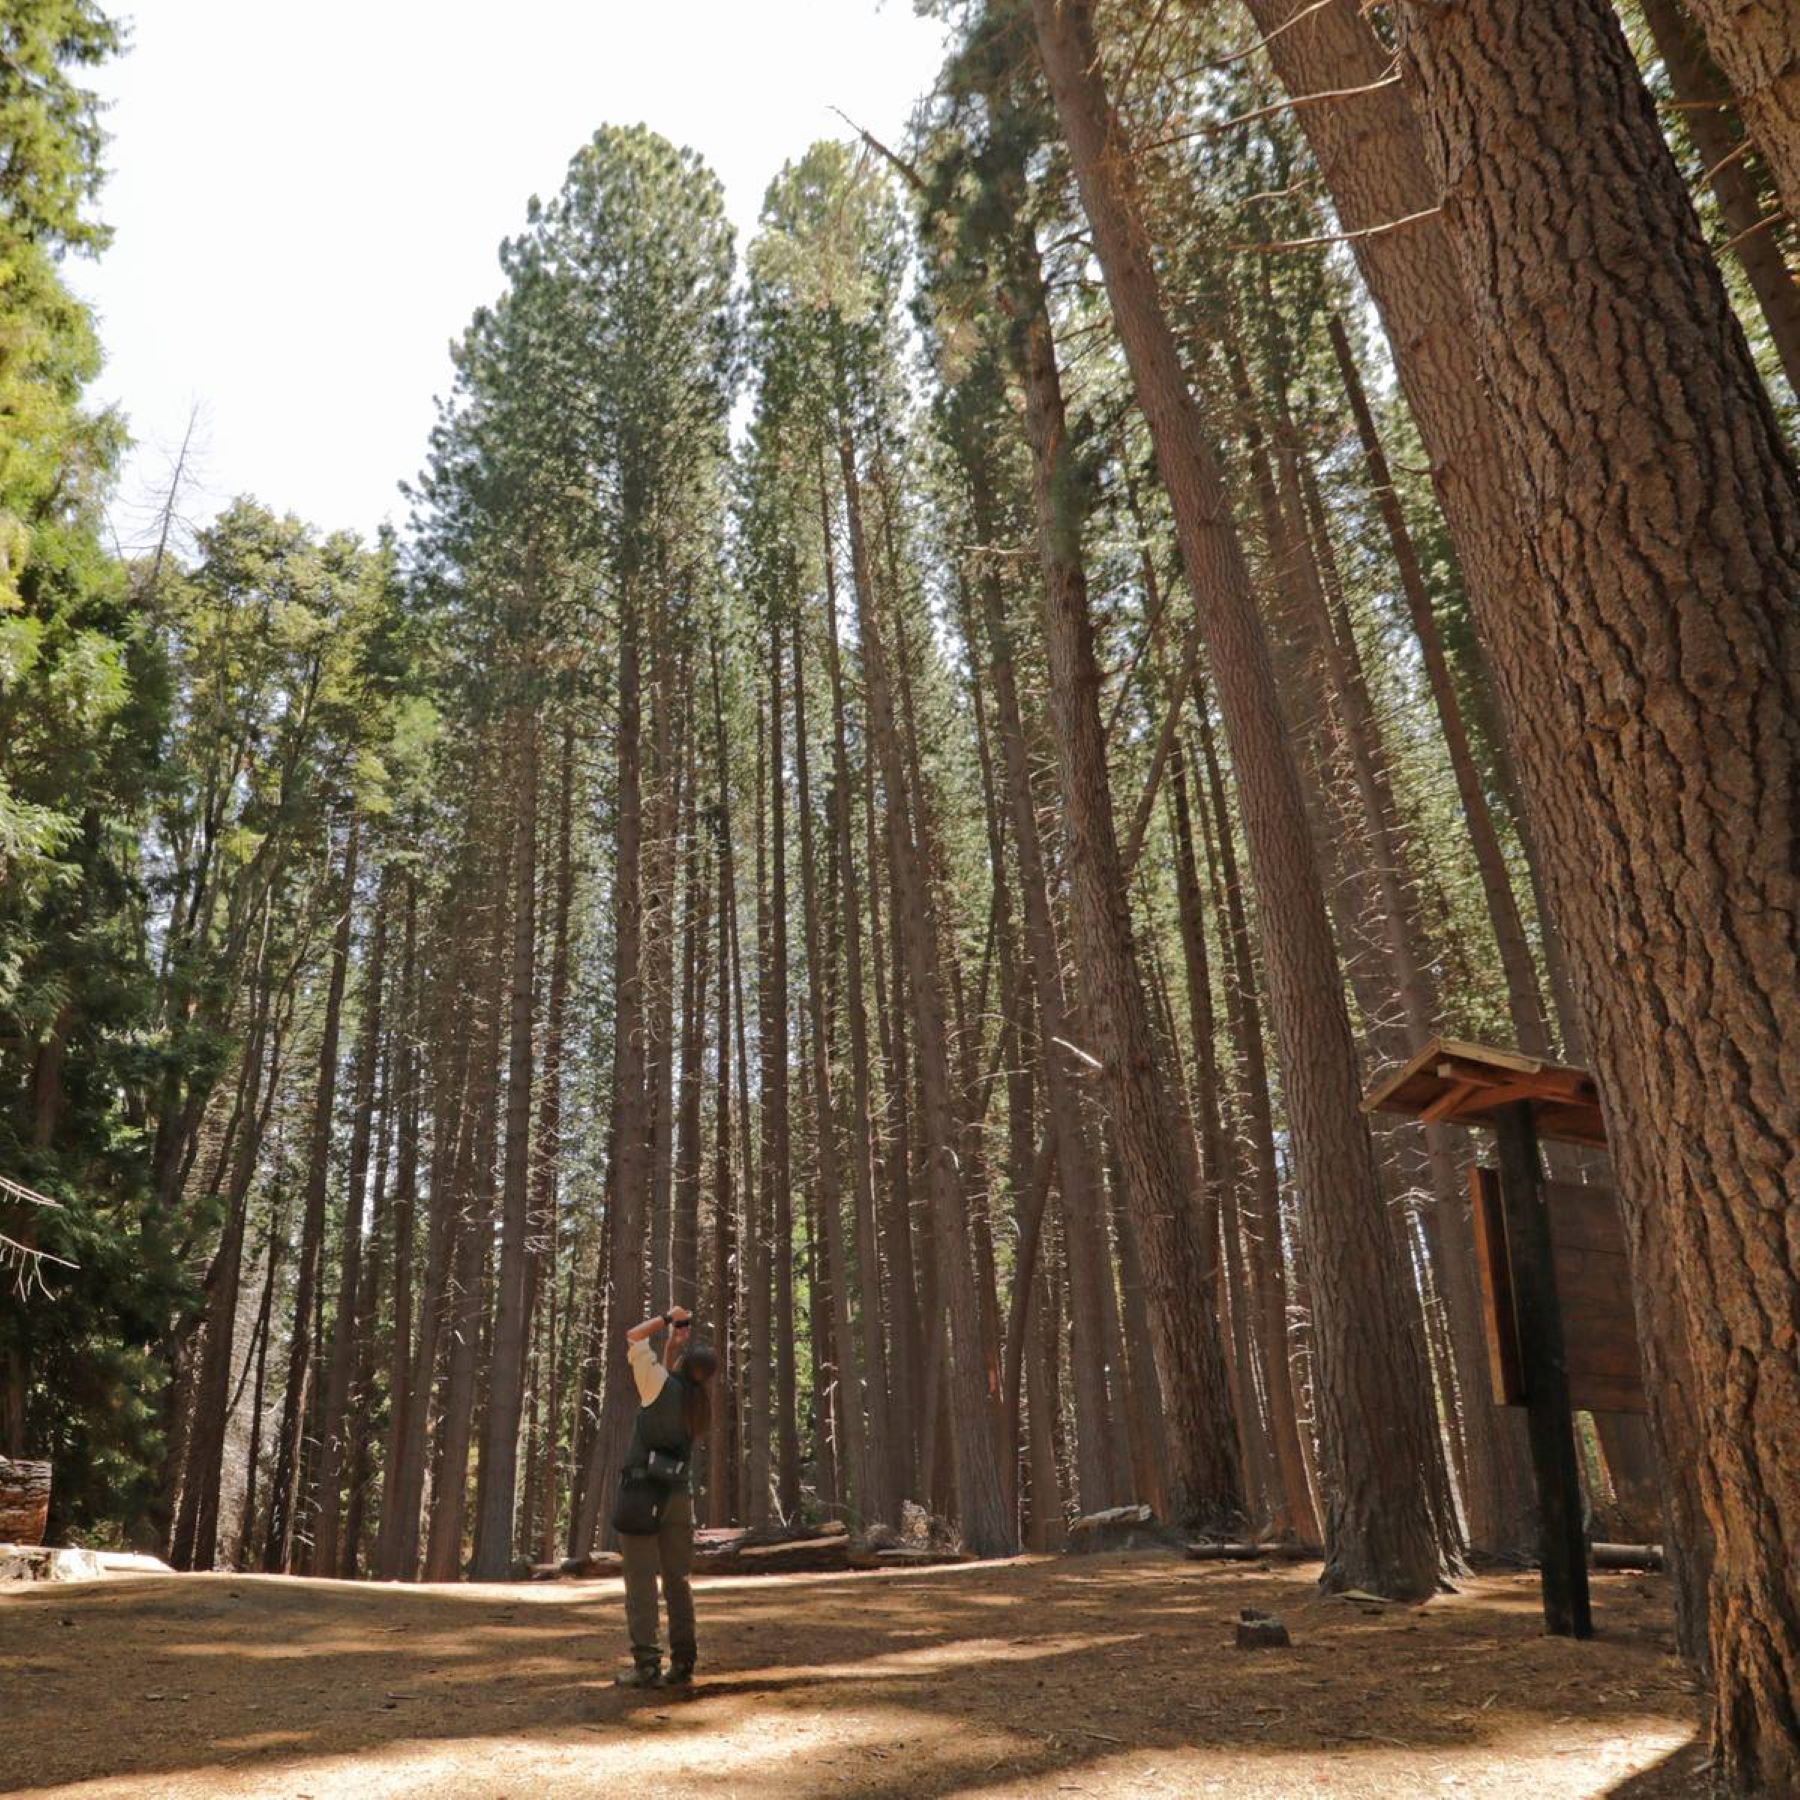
column 1757, row 45
column 284, row 1498
column 1378, row 1437
column 1373, row 158
column 1665, row 515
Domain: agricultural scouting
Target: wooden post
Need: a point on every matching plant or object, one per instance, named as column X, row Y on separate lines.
column 1545, row 1370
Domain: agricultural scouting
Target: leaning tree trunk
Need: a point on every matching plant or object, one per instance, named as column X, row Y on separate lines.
column 1756, row 43
column 1155, row 1151
column 1665, row 513
column 1704, row 97
column 1098, row 1454
column 1372, row 1386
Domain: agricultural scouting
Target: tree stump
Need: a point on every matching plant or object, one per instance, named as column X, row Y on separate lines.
column 1260, row 1631
column 24, row 1501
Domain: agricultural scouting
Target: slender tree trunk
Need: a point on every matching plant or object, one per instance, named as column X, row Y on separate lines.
column 546, row 1221
column 1156, row 1156
column 759, row 1197
column 1263, row 1233
column 721, row 1491
column 780, row 1216
column 1675, row 640
column 628, row 1218
column 882, row 1485
column 495, row 1522
column 684, row 1248
column 194, row 1544
column 908, row 1361
column 1524, row 999
column 470, row 1262
column 284, row 1498
column 1097, row 1449
column 866, row 1485
column 988, row 1526
column 334, row 1413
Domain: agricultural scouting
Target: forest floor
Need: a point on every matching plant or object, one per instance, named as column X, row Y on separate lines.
column 1104, row 1675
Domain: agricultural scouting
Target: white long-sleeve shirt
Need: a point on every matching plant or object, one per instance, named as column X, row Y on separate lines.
column 647, row 1370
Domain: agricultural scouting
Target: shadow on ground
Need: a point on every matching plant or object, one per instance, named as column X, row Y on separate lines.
column 1098, row 1676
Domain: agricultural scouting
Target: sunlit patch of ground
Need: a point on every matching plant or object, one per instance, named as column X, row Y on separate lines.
column 1100, row 1676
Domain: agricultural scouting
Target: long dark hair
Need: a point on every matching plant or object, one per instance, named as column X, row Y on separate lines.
column 699, row 1363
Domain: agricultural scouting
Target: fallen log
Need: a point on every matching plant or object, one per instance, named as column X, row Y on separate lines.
column 24, row 1501
column 37, row 1562
column 1626, row 1556
column 802, row 1556
column 1122, row 1528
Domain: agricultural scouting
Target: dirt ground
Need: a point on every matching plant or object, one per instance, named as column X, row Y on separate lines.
column 1108, row 1675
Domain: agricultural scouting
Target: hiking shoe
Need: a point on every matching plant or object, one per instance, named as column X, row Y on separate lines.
column 681, row 1674
column 640, row 1675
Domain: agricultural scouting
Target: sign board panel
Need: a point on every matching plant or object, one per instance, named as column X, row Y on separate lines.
column 1593, row 1285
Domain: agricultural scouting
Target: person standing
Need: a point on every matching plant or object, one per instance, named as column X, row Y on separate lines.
column 655, row 1514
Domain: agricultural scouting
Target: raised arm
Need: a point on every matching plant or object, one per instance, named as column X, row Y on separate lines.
column 650, row 1374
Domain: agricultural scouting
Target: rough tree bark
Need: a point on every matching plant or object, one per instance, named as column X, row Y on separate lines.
column 1373, row 157
column 1664, row 512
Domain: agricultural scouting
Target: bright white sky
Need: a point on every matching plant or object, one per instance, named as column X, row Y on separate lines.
column 307, row 200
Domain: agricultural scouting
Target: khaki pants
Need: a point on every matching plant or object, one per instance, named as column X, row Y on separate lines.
column 670, row 1554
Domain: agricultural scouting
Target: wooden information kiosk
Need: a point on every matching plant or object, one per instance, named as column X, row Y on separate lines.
column 1555, row 1285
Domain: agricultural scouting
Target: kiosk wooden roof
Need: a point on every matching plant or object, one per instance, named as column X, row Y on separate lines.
column 1461, row 1084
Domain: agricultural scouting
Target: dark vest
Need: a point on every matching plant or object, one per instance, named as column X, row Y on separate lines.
column 659, row 1427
